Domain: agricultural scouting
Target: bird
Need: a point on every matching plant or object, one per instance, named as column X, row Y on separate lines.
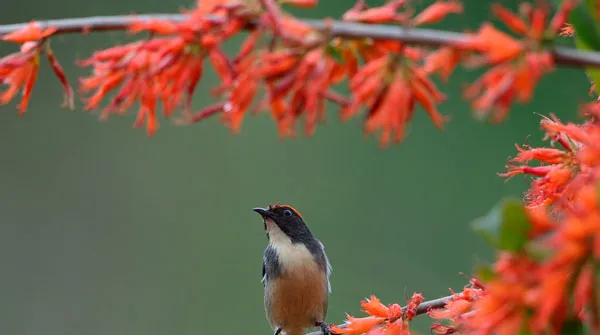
column 295, row 273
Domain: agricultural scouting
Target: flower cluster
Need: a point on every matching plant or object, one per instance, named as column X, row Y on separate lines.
column 543, row 288
column 516, row 64
column 299, row 66
column 19, row 70
column 544, row 279
column 563, row 169
column 382, row 319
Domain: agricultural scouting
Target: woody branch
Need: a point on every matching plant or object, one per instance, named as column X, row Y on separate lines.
column 420, row 36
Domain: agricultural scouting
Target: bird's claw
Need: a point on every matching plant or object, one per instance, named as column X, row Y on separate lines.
column 324, row 327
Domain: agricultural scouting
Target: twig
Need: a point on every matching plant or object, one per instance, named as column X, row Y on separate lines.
column 423, row 308
column 562, row 56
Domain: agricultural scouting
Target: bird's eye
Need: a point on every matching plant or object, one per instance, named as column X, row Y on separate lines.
column 287, row 213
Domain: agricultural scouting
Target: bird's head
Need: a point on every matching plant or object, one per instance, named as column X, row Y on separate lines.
column 284, row 219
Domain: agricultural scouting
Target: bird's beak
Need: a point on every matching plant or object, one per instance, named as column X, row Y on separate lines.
column 265, row 213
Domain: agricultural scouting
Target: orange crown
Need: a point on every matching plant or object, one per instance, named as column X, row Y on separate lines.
column 278, row 205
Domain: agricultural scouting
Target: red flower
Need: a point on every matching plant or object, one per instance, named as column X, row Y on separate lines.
column 33, row 32
column 519, row 64
column 563, row 170
column 383, row 14
column 391, row 93
column 443, row 61
column 19, row 71
column 355, row 326
column 437, row 11
column 374, row 307
column 411, row 308
column 300, row 3
column 164, row 69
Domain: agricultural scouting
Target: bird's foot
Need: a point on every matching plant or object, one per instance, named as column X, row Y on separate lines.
column 324, row 327
column 277, row 331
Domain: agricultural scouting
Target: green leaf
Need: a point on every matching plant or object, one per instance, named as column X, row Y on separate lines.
column 591, row 7
column 335, row 53
column 484, row 272
column 592, row 73
column 573, row 327
column 587, row 34
column 506, row 226
column 587, row 29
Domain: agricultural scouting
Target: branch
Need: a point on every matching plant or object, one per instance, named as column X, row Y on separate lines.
column 420, row 36
column 423, row 308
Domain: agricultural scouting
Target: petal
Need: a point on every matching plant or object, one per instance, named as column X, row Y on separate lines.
column 31, row 79
column 60, row 74
column 511, row 20
column 374, row 307
column 437, row 11
column 32, row 32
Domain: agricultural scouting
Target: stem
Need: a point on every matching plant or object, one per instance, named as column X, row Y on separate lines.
column 275, row 14
column 420, row 36
column 423, row 308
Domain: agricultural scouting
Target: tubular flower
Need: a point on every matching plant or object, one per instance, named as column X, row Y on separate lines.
column 457, row 310
column 382, row 319
column 553, row 278
column 563, row 170
column 297, row 85
column 443, row 61
column 518, row 64
column 504, row 307
column 163, row 68
column 437, row 11
column 542, row 292
column 391, row 91
column 19, row 71
column 33, row 32
column 387, row 13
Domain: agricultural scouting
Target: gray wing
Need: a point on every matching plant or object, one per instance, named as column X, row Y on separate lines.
column 270, row 267
column 328, row 266
column 262, row 280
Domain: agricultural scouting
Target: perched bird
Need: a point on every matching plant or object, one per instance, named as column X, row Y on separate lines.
column 295, row 273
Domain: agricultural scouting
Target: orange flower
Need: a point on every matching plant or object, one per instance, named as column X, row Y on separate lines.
column 496, row 46
column 357, row 325
column 495, row 91
column 563, row 170
column 305, row 85
column 33, row 32
column 444, row 61
column 510, row 19
column 458, row 310
column 19, row 71
column 374, row 307
column 391, row 95
column 411, row 308
column 519, row 63
column 383, row 14
column 165, row 69
column 437, row 11
column 399, row 327
column 300, row 3
column 241, row 95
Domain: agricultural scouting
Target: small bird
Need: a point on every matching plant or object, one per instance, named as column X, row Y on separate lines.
column 295, row 273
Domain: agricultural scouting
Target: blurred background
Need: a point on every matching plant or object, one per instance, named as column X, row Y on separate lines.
column 104, row 231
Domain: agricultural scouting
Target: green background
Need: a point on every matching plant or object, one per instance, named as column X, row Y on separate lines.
column 104, row 231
